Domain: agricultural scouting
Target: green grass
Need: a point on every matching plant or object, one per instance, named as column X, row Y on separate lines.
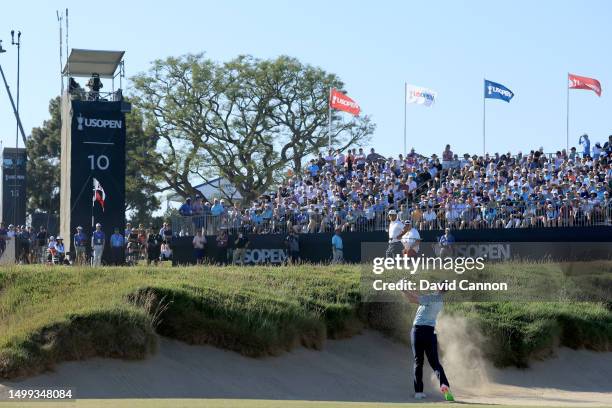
column 53, row 314
column 50, row 314
column 517, row 332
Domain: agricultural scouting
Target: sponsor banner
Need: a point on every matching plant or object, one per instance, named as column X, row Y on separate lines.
column 274, row 256
column 558, row 244
column 493, row 90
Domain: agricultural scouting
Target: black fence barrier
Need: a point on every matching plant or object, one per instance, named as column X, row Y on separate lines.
column 316, row 248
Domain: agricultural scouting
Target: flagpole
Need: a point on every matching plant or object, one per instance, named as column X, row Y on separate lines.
column 405, row 98
column 92, row 205
column 484, row 122
column 567, row 116
column 329, row 112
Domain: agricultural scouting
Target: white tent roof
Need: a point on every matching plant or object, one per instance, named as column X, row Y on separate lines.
column 86, row 62
column 216, row 188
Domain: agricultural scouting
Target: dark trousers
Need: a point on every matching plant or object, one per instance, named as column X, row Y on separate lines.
column 117, row 255
column 425, row 341
column 394, row 248
column 222, row 255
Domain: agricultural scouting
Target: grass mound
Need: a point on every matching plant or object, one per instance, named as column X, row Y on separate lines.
column 53, row 314
column 234, row 322
column 519, row 332
column 112, row 333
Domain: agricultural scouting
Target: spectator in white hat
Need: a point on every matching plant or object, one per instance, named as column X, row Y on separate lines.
column 397, row 230
column 98, row 240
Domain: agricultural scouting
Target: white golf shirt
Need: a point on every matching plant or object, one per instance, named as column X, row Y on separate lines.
column 412, row 236
column 395, row 229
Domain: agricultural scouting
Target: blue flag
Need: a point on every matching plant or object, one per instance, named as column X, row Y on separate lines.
column 494, row 90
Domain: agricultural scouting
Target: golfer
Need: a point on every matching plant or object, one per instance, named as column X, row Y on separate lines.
column 425, row 342
column 397, row 230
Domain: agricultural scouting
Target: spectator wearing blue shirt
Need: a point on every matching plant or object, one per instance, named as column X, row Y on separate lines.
column 80, row 246
column 257, row 220
column 60, row 251
column 117, row 242
column 217, row 208
column 128, row 230
column 586, row 145
column 267, row 216
column 185, row 210
column 314, row 169
column 378, row 207
column 337, row 247
column 98, row 241
column 446, row 242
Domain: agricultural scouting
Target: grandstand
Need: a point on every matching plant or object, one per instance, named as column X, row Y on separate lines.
column 354, row 192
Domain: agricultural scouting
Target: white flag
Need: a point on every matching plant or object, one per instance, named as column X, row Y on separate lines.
column 99, row 194
column 420, row 95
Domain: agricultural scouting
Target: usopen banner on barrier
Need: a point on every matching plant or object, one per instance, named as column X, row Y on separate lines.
column 420, row 95
column 493, row 90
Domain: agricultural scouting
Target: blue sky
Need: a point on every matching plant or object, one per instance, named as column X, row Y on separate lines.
column 375, row 47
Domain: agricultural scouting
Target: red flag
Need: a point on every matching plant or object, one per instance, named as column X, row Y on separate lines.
column 340, row 101
column 579, row 82
column 99, row 195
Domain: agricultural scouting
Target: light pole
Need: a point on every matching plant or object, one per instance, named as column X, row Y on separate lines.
column 16, row 192
column 8, row 91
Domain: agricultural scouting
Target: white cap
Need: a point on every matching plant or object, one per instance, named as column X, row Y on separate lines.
column 392, row 212
column 98, row 225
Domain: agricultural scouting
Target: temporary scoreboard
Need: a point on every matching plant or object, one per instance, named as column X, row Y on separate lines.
column 13, row 186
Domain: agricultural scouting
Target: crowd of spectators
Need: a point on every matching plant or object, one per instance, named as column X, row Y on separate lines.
column 353, row 191
column 132, row 245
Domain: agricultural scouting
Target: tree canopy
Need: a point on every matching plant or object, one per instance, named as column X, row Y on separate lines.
column 246, row 120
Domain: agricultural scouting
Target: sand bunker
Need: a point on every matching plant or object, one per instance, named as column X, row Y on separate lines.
column 367, row 367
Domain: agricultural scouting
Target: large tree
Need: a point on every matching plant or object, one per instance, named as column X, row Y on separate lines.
column 44, row 148
column 43, row 168
column 246, row 120
column 140, row 171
